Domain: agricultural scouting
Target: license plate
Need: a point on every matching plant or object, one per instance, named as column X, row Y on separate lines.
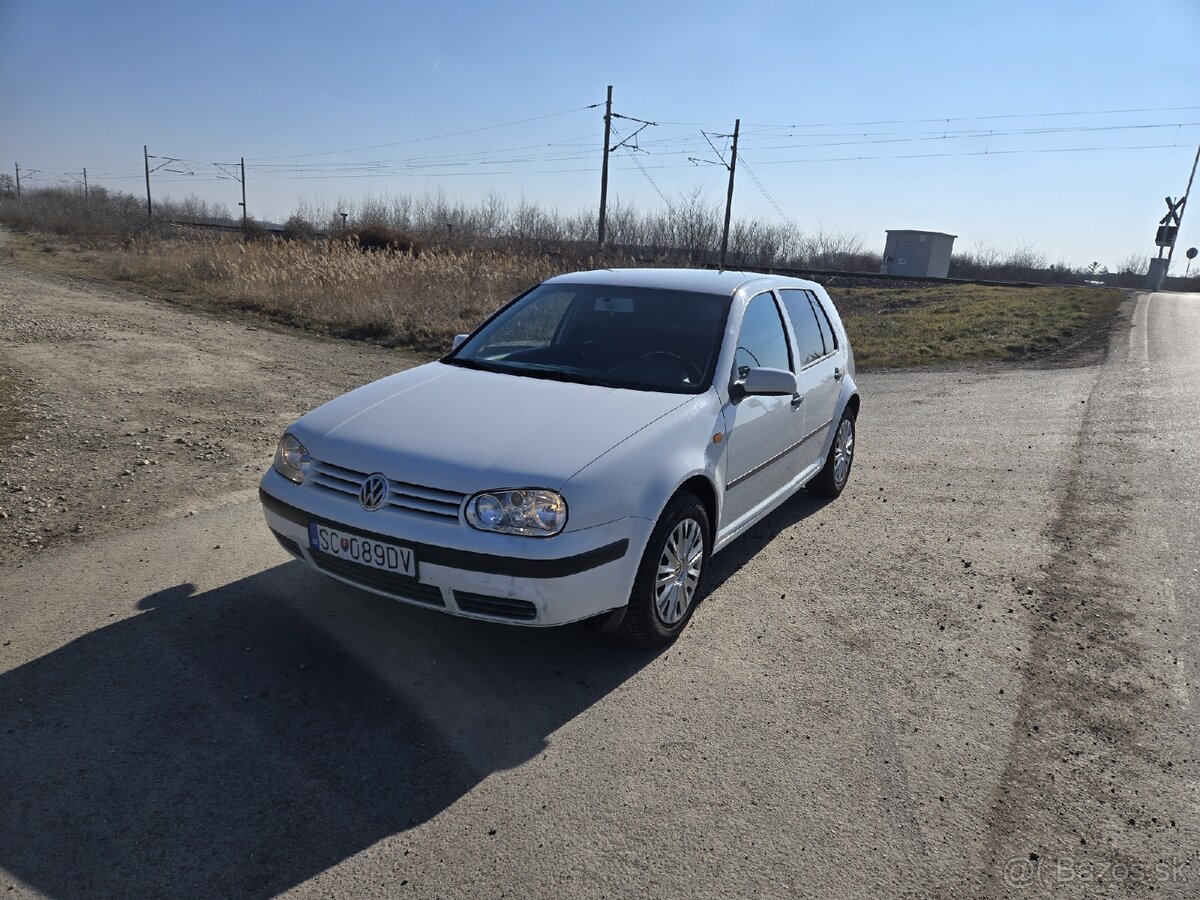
column 362, row 550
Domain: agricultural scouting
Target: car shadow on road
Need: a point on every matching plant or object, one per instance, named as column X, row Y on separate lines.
column 237, row 741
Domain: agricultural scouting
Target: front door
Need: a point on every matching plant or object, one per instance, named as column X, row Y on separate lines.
column 761, row 429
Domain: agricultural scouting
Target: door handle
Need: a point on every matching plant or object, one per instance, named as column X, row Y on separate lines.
column 837, row 374
column 797, row 400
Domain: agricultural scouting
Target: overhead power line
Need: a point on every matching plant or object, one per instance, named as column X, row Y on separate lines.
column 633, row 151
column 762, row 189
column 434, row 137
column 1041, row 115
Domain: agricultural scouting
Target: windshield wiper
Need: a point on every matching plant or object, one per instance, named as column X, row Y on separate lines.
column 467, row 363
column 533, row 370
column 553, row 373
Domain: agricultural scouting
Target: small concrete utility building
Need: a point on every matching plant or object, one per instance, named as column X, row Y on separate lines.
column 922, row 253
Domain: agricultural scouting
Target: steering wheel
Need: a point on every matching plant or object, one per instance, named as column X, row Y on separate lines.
column 690, row 368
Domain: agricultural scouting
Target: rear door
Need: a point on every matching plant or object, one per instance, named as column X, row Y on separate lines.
column 819, row 369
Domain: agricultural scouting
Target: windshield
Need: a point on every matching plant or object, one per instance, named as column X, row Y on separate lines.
column 641, row 338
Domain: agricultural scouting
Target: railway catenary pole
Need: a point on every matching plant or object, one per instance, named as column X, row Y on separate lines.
column 729, row 196
column 604, row 169
column 149, row 207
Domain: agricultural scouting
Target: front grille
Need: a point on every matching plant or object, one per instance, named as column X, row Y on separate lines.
column 503, row 607
column 401, row 495
column 287, row 544
column 400, row 585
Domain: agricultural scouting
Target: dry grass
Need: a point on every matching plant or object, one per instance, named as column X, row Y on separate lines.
column 395, row 299
column 328, row 287
column 334, row 288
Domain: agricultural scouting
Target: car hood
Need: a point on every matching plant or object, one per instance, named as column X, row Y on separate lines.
column 465, row 430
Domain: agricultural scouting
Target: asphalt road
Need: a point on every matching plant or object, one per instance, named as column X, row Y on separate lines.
column 968, row 676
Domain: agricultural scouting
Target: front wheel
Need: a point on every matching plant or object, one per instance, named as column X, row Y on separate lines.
column 831, row 480
column 667, row 586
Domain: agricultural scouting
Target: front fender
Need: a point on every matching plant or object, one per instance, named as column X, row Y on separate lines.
column 641, row 474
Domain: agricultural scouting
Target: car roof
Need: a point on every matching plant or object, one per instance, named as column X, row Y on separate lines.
column 700, row 281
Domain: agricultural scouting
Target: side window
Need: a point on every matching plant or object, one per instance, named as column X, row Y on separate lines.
column 809, row 342
column 826, row 325
column 826, row 338
column 762, row 343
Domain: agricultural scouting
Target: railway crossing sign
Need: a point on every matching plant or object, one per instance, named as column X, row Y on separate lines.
column 1174, row 210
column 1168, row 225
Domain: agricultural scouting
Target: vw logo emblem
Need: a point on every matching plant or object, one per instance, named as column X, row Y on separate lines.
column 373, row 492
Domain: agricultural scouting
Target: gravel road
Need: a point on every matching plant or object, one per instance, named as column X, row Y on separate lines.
column 969, row 676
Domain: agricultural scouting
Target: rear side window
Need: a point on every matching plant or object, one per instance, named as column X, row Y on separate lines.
column 825, row 338
column 762, row 343
column 810, row 343
column 826, row 324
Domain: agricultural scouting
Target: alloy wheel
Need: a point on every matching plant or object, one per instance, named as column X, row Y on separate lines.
column 679, row 571
column 843, row 452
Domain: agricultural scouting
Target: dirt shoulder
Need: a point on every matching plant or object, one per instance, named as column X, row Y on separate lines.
column 120, row 411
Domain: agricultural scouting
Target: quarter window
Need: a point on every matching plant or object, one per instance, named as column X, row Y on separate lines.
column 810, row 344
column 762, row 343
column 827, row 331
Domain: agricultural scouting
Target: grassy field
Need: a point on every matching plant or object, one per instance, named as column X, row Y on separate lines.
column 420, row 303
column 907, row 326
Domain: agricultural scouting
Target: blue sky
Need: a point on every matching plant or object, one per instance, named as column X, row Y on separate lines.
column 87, row 84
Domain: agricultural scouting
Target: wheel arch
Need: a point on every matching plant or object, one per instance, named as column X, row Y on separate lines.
column 703, row 489
column 853, row 404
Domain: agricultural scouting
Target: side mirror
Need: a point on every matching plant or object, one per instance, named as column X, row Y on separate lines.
column 765, row 383
column 458, row 339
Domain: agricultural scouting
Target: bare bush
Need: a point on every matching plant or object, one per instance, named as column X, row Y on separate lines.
column 685, row 230
column 830, row 250
column 298, row 228
column 69, row 211
column 385, row 238
column 1131, row 271
column 1025, row 262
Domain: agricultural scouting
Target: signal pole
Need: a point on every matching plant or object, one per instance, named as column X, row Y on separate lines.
column 604, row 167
column 1183, row 207
column 17, row 166
column 729, row 197
column 149, row 207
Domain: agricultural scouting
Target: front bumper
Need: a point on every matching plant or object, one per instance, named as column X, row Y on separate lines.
column 463, row 571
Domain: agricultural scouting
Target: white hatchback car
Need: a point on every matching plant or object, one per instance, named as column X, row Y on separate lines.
column 581, row 454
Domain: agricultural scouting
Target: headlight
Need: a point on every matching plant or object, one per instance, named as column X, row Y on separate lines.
column 291, row 459
column 533, row 512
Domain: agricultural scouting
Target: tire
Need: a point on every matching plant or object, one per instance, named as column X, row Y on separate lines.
column 653, row 620
column 832, row 479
